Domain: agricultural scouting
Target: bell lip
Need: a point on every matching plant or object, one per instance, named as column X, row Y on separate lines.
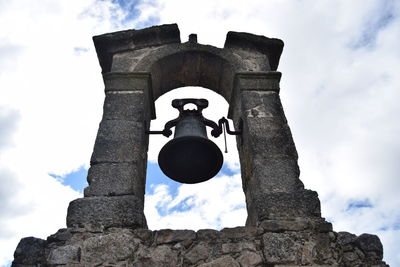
column 185, row 180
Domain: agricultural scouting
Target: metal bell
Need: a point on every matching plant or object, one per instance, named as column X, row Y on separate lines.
column 190, row 157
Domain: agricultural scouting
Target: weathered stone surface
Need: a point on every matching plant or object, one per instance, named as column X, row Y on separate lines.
column 350, row 257
column 258, row 81
column 128, row 106
column 120, row 141
column 260, row 104
column 127, row 82
column 145, row 235
column 371, row 245
column 159, row 256
column 238, row 247
column 112, row 179
column 105, row 212
column 281, row 248
column 30, row 251
column 61, row 236
column 171, row 236
column 269, row 46
column 308, row 252
column 208, row 235
column 313, row 265
column 283, row 206
column 323, row 227
column 272, row 175
column 249, row 259
column 275, row 143
column 199, row 252
column 65, row 255
column 221, row 262
column 124, row 62
column 110, row 248
column 346, row 240
column 285, row 225
column 322, row 249
column 240, row 232
column 110, row 43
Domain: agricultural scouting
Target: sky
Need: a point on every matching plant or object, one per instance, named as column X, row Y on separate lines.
column 340, row 90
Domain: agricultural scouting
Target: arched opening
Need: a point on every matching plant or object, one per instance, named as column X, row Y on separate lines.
column 216, row 203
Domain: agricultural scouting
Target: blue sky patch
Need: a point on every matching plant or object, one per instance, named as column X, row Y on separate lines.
column 129, row 7
column 184, row 205
column 383, row 17
column 239, row 207
column 132, row 12
column 155, row 176
column 227, row 171
column 76, row 180
column 359, row 204
column 395, row 226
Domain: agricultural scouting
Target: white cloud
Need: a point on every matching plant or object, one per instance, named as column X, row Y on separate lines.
column 214, row 204
column 339, row 91
column 50, row 106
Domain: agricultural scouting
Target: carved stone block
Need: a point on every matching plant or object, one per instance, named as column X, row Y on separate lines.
column 120, row 141
column 112, row 179
column 99, row 213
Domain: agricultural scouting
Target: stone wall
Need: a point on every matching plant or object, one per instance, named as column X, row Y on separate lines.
column 307, row 243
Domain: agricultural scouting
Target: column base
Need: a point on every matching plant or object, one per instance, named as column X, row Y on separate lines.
column 282, row 206
column 98, row 213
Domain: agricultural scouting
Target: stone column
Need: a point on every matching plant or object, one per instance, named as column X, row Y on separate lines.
column 268, row 156
column 117, row 176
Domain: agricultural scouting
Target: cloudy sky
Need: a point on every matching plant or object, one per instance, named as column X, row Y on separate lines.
column 340, row 91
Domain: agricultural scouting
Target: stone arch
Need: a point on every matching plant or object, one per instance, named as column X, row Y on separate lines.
column 139, row 66
column 192, row 68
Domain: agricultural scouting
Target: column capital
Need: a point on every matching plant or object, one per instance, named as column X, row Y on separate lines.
column 257, row 81
column 127, row 81
column 130, row 82
column 262, row 81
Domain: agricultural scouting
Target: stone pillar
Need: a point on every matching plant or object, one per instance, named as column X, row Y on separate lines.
column 268, row 156
column 117, row 176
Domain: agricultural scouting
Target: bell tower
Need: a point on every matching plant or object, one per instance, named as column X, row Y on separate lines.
column 107, row 227
column 243, row 72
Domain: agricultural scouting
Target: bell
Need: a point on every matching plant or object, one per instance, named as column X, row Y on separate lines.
column 190, row 157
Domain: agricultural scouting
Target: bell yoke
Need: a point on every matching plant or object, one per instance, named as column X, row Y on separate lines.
column 191, row 157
